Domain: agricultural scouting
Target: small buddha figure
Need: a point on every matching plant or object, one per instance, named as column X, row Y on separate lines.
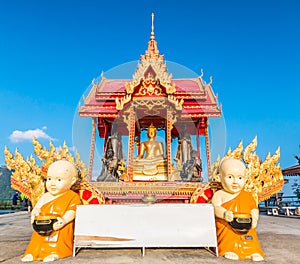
column 150, row 163
column 151, row 149
column 230, row 202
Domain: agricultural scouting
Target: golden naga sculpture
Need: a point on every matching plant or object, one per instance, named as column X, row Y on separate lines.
column 29, row 178
column 265, row 178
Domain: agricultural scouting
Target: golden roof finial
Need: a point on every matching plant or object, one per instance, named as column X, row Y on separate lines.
column 152, row 27
column 152, row 52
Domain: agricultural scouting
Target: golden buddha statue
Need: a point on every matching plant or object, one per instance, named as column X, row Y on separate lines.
column 150, row 164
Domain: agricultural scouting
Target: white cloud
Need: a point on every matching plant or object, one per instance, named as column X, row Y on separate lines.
column 19, row 136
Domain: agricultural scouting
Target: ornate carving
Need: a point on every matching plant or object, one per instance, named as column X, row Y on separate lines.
column 210, row 81
column 126, row 120
column 28, row 176
column 150, row 103
column 150, row 87
column 178, row 104
column 120, row 103
column 172, row 118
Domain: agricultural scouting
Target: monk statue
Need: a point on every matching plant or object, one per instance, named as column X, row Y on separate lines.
column 150, row 163
column 236, row 214
column 58, row 204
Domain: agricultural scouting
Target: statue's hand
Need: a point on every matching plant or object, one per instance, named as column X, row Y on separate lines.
column 254, row 223
column 255, row 216
column 35, row 212
column 228, row 216
column 59, row 224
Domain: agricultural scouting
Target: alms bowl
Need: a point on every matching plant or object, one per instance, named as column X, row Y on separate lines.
column 241, row 223
column 43, row 225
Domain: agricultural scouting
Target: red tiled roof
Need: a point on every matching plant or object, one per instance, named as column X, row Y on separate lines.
column 199, row 99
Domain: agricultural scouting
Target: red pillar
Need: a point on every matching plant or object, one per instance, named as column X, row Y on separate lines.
column 131, row 144
column 92, row 150
column 168, row 141
column 207, row 151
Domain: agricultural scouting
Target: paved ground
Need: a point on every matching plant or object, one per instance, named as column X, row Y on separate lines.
column 279, row 238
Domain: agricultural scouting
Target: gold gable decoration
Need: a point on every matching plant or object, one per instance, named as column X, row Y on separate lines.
column 29, row 178
column 161, row 74
column 265, row 178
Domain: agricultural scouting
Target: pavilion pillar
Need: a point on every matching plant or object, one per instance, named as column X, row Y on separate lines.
column 138, row 137
column 198, row 143
column 130, row 156
column 168, row 143
column 207, row 151
column 92, row 150
column 105, row 136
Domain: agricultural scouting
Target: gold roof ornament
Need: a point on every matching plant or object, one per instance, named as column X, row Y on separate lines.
column 120, row 102
column 152, row 52
column 265, row 178
column 178, row 104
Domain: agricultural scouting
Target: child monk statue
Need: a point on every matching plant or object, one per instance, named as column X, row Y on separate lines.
column 60, row 203
column 229, row 202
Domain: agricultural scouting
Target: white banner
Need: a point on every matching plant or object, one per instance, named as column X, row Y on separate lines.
column 143, row 225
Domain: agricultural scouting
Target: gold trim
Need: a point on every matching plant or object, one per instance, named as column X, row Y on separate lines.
column 199, row 115
column 161, row 188
column 149, row 103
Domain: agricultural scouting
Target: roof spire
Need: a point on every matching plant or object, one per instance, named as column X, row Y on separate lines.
column 152, row 51
column 152, row 27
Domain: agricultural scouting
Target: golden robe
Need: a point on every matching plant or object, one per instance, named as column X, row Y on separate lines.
column 228, row 240
column 60, row 242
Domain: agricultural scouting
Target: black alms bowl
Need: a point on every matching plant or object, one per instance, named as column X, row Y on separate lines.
column 241, row 223
column 43, row 225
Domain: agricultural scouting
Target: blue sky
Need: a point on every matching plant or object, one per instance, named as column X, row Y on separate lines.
column 51, row 50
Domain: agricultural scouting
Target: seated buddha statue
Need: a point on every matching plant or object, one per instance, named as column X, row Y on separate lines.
column 150, row 163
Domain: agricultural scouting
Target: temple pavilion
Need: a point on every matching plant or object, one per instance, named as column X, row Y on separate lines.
column 152, row 97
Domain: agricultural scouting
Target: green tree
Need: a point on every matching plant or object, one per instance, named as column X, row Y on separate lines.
column 6, row 192
column 296, row 188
